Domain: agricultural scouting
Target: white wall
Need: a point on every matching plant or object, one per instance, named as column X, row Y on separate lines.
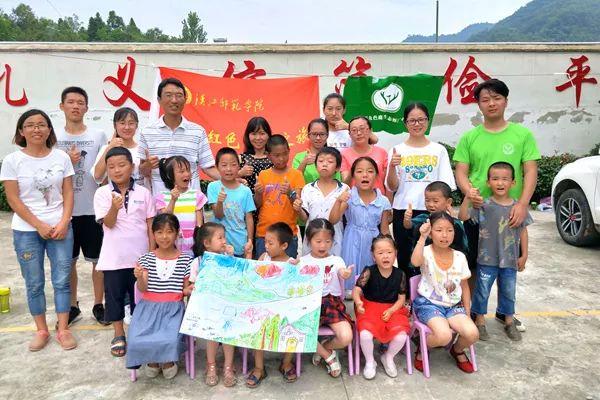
column 531, row 71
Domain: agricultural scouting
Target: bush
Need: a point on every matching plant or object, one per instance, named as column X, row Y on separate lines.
column 548, row 167
column 595, row 150
column 3, row 202
column 457, row 196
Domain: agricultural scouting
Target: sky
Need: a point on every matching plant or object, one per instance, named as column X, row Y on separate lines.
column 300, row 21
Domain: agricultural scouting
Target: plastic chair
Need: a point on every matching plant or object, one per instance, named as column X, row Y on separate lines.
column 190, row 364
column 424, row 331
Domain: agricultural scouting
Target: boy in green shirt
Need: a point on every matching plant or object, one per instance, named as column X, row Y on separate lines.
column 495, row 140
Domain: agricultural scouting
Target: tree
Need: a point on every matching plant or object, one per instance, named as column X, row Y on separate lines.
column 192, row 31
column 96, row 30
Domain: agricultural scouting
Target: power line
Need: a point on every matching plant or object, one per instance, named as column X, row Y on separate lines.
column 54, row 7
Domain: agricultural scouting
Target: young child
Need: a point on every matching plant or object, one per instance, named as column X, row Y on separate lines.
column 277, row 240
column 444, row 297
column 320, row 234
column 180, row 200
column 125, row 211
column 277, row 194
column 319, row 197
column 379, row 297
column 438, row 197
column 82, row 144
column 232, row 203
column 502, row 249
column 211, row 237
column 163, row 278
column 367, row 213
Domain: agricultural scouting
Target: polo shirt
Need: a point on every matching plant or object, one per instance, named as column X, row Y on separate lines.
column 125, row 242
column 188, row 140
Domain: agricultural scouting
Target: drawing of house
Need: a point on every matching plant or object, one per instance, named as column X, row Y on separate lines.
column 291, row 339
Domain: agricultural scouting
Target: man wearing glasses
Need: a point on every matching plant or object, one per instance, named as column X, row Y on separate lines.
column 173, row 135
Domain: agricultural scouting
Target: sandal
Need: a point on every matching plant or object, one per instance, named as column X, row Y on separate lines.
column 39, row 340
column 464, row 366
column 334, row 368
column 118, row 346
column 211, row 378
column 418, row 364
column 66, row 339
column 289, row 374
column 253, row 381
column 229, row 378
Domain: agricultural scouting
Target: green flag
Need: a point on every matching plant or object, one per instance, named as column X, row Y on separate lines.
column 382, row 100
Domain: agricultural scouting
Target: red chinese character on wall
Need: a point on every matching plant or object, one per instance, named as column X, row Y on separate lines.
column 577, row 73
column 468, row 80
column 124, row 81
column 11, row 102
column 344, row 68
column 251, row 72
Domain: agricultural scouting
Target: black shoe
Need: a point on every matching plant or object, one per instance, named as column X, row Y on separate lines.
column 383, row 347
column 98, row 311
column 518, row 324
column 74, row 316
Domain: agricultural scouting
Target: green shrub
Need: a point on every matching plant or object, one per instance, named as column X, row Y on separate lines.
column 3, row 202
column 457, row 196
column 548, row 167
column 595, row 150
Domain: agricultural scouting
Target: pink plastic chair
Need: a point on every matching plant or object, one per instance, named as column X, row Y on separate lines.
column 190, row 364
column 424, row 331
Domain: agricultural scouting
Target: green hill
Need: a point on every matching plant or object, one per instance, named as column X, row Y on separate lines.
column 461, row 36
column 547, row 21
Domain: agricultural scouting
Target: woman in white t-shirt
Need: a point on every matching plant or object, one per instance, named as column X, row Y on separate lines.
column 412, row 166
column 39, row 189
column 125, row 122
column 334, row 107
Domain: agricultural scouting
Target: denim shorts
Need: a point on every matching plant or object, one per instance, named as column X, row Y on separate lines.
column 426, row 310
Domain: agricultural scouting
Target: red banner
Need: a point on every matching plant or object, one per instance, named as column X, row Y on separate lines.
column 223, row 106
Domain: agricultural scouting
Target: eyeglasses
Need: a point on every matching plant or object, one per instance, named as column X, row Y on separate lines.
column 318, row 134
column 33, row 126
column 361, row 130
column 177, row 96
column 419, row 121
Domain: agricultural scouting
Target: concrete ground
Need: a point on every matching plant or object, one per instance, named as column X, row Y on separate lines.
column 557, row 359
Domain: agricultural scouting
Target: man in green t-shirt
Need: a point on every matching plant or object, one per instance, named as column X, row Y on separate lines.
column 495, row 140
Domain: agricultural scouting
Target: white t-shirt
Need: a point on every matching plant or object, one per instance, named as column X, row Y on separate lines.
column 318, row 206
column 339, row 139
column 443, row 287
column 84, row 185
column 332, row 266
column 40, row 181
column 135, row 155
column 420, row 166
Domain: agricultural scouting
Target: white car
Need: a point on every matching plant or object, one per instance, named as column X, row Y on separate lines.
column 576, row 201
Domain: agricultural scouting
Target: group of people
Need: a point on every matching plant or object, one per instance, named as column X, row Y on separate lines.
column 135, row 208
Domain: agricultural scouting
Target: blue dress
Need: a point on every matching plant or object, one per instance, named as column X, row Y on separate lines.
column 362, row 225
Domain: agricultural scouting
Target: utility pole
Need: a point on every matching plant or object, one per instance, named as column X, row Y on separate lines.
column 437, row 19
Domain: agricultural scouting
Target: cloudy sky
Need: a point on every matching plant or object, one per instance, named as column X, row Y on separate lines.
column 301, row 21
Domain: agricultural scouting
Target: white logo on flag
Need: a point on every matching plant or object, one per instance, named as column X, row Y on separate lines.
column 388, row 99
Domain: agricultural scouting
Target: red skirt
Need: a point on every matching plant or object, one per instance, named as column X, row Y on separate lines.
column 383, row 331
column 333, row 310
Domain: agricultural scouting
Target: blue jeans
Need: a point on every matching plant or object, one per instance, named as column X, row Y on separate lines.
column 507, row 284
column 426, row 310
column 291, row 251
column 30, row 249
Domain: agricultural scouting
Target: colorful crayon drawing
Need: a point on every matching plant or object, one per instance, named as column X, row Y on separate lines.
column 265, row 305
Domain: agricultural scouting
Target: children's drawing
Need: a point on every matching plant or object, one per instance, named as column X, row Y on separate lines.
column 265, row 305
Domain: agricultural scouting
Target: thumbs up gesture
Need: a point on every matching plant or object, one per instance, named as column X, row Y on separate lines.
column 346, row 273
column 344, row 196
column 74, row 154
column 285, row 187
column 396, row 158
column 425, row 229
column 175, row 193
column 115, row 141
column 297, row 204
column 117, row 201
column 222, row 195
column 474, row 196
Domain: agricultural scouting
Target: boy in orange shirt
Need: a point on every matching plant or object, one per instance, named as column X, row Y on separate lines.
column 277, row 194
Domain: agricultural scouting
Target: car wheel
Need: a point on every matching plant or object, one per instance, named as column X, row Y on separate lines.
column 574, row 219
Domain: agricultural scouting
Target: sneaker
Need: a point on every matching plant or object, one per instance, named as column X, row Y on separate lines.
column 483, row 333
column 170, row 372
column 370, row 371
column 512, row 332
column 98, row 312
column 151, row 372
column 520, row 326
column 389, row 366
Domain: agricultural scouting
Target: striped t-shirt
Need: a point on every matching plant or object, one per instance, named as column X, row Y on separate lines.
column 185, row 210
column 188, row 140
column 166, row 276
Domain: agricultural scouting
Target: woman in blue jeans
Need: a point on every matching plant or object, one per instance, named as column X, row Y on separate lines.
column 38, row 184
